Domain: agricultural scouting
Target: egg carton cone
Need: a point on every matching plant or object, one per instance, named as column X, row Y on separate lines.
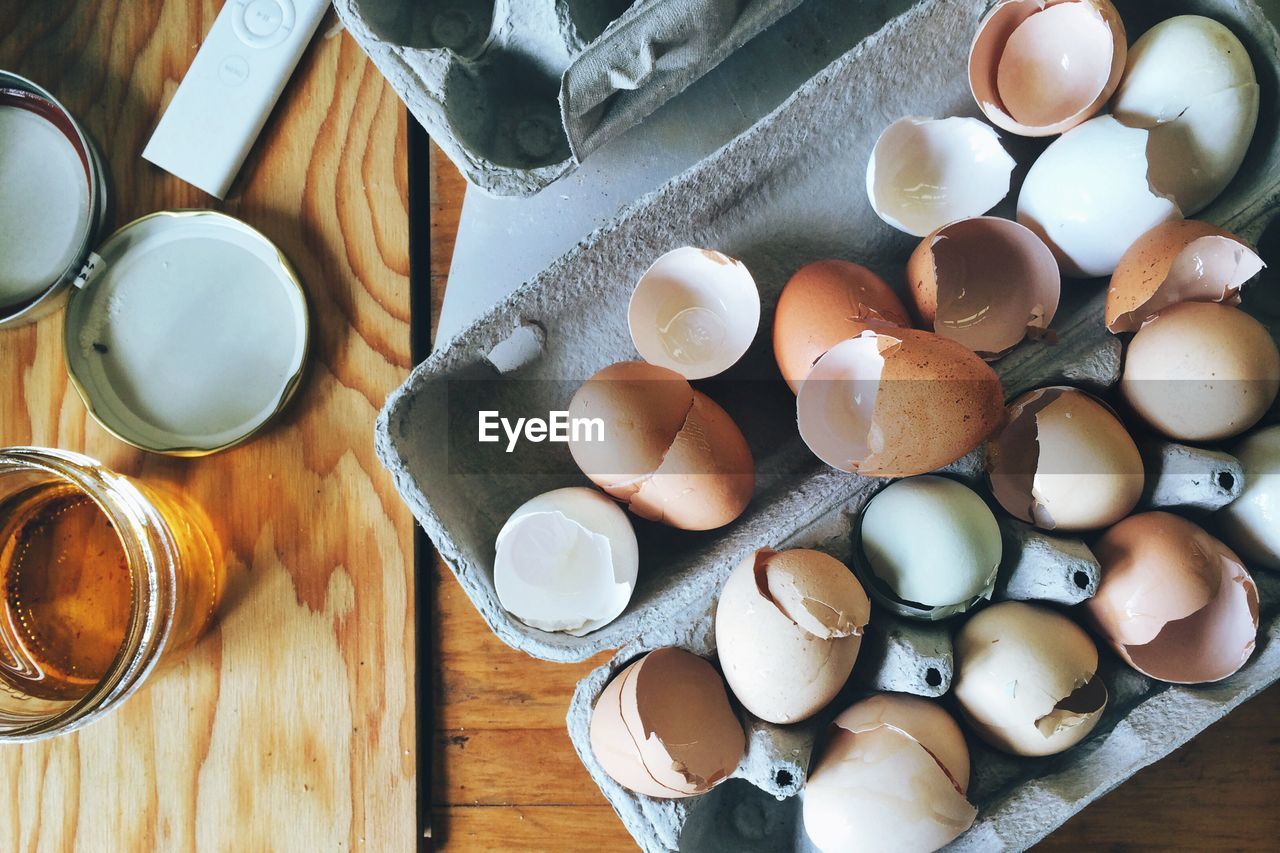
column 518, row 92
column 786, row 192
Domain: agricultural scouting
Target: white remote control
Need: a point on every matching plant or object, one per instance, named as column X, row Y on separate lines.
column 231, row 88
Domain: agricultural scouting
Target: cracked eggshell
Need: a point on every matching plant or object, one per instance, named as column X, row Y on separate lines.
column 1190, row 81
column 669, row 452
column 1041, row 67
column 1251, row 524
column 897, row 402
column 894, row 771
column 1174, row 602
column 664, row 726
column 1027, row 679
column 986, row 283
column 925, row 172
column 1181, row 261
column 566, row 561
column 1065, row 462
column 1089, row 197
column 824, row 303
column 936, row 570
column 1201, row 371
column 694, row 311
column 788, row 629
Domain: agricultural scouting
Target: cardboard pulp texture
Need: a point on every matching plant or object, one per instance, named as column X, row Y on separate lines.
column 517, row 92
column 788, row 191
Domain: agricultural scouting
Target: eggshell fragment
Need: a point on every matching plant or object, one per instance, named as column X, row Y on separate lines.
column 1174, row 602
column 1189, row 80
column 1041, row 67
column 788, row 629
column 926, row 172
column 894, row 770
column 986, row 283
column 936, row 570
column 896, row 403
column 669, row 452
column 664, row 727
column 695, row 311
column 1181, row 261
column 1251, row 525
column 1065, row 462
column 824, row 303
column 566, row 561
column 1090, row 196
column 1027, row 679
column 1200, row 371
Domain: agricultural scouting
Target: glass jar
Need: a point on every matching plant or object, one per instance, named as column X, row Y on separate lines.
column 103, row 579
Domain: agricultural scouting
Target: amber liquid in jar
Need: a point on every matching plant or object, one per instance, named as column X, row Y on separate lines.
column 67, row 593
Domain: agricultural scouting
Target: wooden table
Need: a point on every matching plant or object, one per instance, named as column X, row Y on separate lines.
column 292, row 725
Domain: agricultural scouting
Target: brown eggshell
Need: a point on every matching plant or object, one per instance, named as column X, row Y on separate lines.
column 1016, row 68
column 824, row 303
column 920, row 719
column 677, row 711
column 788, row 629
column 613, row 747
column 1065, row 461
column 1201, row 372
column 706, row 478
column 1182, row 261
column 984, row 282
column 1173, row 601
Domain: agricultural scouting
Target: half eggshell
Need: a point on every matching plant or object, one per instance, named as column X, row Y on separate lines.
column 824, row 303
column 1065, row 461
column 1174, row 602
column 898, row 402
column 694, row 311
column 926, row 172
column 1041, row 67
column 895, row 769
column 669, row 452
column 664, row 726
column 1027, row 679
column 788, row 628
column 986, row 283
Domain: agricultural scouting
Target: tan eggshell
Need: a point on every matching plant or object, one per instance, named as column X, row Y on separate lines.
column 1182, row 261
column 1173, row 601
column 986, row 283
column 1201, row 371
column 670, row 452
column 919, row 403
column 1041, row 67
column 824, row 303
column 1026, row 679
column 788, row 628
column 664, row 727
column 1065, row 462
column 894, row 769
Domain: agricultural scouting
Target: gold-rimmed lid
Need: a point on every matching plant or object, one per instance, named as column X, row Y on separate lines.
column 187, row 333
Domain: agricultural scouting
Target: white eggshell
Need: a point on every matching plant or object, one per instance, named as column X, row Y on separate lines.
column 950, row 560
column 788, row 628
column 1251, row 525
column 1191, row 80
column 1088, row 196
column 925, row 173
column 566, row 561
column 695, row 311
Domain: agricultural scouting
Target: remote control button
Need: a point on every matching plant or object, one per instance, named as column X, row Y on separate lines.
column 263, row 23
column 234, row 70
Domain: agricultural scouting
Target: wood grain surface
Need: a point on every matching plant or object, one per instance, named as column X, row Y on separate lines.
column 508, row 778
column 291, row 726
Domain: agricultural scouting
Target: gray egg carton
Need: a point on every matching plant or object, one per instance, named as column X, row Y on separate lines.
column 788, row 191
column 518, row 92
